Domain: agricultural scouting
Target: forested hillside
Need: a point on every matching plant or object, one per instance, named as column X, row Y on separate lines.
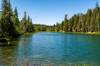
column 89, row 22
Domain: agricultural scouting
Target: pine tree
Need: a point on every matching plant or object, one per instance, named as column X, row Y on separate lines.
column 7, row 23
column 65, row 24
column 26, row 24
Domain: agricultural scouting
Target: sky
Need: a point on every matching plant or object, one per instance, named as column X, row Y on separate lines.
column 51, row 11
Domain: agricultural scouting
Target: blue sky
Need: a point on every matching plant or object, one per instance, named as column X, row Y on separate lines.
column 51, row 11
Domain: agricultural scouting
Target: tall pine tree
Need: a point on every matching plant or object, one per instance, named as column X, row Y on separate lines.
column 7, row 24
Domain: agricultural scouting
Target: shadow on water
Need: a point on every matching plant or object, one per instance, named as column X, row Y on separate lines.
column 9, row 41
column 7, row 44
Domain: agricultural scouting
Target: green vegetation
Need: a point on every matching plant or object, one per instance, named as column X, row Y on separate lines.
column 45, row 28
column 89, row 22
column 26, row 24
column 0, row 13
column 10, row 25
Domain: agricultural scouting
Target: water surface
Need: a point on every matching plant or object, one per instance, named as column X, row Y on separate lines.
column 52, row 48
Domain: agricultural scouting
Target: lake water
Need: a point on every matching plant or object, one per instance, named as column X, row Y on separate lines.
column 52, row 49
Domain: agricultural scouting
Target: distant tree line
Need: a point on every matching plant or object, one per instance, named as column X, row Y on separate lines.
column 43, row 28
column 10, row 25
column 89, row 22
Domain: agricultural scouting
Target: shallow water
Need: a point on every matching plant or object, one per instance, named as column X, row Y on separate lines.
column 53, row 49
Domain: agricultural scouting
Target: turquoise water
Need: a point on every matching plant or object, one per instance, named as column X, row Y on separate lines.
column 52, row 48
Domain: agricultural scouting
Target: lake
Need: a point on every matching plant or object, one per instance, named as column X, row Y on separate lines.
column 52, row 49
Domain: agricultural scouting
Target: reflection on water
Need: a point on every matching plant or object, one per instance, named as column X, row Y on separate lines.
column 52, row 49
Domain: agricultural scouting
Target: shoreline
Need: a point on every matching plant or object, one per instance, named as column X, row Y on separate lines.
column 84, row 33
column 87, row 33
